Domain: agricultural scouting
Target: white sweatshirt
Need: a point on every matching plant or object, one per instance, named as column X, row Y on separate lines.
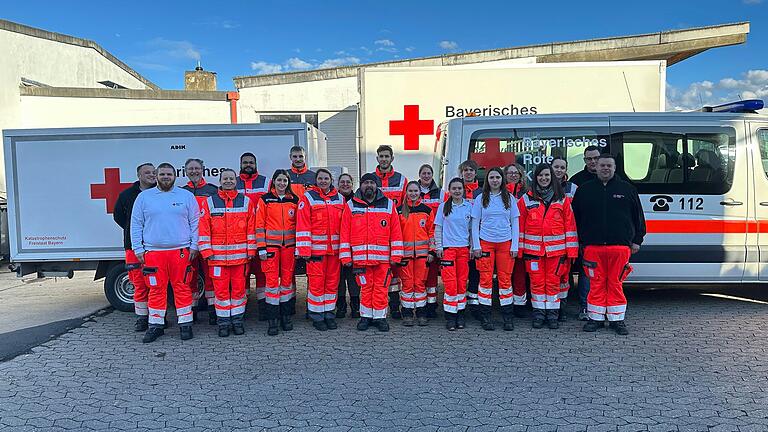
column 453, row 230
column 164, row 220
column 495, row 223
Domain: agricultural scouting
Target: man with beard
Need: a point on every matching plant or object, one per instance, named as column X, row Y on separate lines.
column 301, row 176
column 253, row 185
column 371, row 243
column 164, row 238
column 201, row 189
column 122, row 215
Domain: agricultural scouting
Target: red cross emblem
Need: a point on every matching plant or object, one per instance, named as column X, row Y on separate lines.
column 410, row 127
column 110, row 189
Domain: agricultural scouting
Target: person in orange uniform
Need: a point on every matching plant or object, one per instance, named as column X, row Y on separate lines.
column 371, row 242
column 392, row 185
column 347, row 281
column 253, row 185
column 432, row 196
column 417, row 223
column 301, row 176
column 517, row 185
column 227, row 241
column 548, row 241
column 317, row 242
column 468, row 173
column 276, row 243
column 201, row 189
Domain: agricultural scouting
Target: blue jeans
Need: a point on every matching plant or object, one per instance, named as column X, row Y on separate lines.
column 583, row 287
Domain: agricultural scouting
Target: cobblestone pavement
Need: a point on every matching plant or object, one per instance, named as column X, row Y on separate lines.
column 691, row 363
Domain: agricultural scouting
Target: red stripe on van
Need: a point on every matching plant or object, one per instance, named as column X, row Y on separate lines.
column 705, row 226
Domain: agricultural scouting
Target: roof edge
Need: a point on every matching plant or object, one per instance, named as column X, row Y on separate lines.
column 72, row 40
column 84, row 92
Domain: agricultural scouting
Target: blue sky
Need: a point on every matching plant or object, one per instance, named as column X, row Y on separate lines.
column 161, row 39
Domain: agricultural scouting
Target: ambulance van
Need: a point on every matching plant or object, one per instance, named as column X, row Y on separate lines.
column 702, row 179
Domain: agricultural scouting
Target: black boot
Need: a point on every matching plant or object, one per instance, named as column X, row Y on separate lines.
column 450, row 321
column 421, row 317
column 382, row 324
column 561, row 316
column 262, row 308
column 320, row 325
column 272, row 328
column 185, row 331
column 486, row 321
column 592, row 326
column 508, row 324
column 286, row 323
column 238, row 328
column 552, row 322
column 142, row 324
column 407, row 317
column 539, row 318
column 431, row 310
column 331, row 323
column 394, row 305
column 354, row 304
column 474, row 310
column 152, row 334
column 363, row 324
column 341, row 307
column 520, row 311
column 619, row 327
column 212, row 317
column 224, row 330
column 461, row 321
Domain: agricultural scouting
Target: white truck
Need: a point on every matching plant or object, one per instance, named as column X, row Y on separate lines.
column 63, row 183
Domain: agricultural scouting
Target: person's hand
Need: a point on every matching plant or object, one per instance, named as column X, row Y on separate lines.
column 513, row 253
column 263, row 255
column 140, row 257
column 477, row 253
column 192, row 255
column 349, row 264
column 393, row 262
column 304, row 257
column 430, row 258
column 439, row 253
column 635, row 248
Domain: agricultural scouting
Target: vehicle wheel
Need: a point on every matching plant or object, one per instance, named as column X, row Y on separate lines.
column 118, row 288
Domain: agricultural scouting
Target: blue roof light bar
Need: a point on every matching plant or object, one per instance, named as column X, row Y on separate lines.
column 743, row 106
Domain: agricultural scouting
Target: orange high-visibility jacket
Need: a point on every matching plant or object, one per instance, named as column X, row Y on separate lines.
column 370, row 233
column 227, row 229
column 276, row 220
column 434, row 197
column 318, row 222
column 418, row 229
column 253, row 186
column 547, row 231
column 393, row 185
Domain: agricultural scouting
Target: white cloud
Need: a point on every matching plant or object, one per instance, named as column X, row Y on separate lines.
column 336, row 62
column 384, row 42
column 297, row 64
column 753, row 85
column 448, row 45
column 179, row 49
column 262, row 68
column 751, row 2
column 410, row 49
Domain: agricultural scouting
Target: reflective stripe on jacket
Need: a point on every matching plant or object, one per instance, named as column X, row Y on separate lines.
column 318, row 222
column 547, row 230
column 253, row 186
column 418, row 230
column 276, row 220
column 392, row 185
column 370, row 233
column 434, row 197
column 227, row 229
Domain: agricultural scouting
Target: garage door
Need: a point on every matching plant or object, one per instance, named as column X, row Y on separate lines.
column 341, row 131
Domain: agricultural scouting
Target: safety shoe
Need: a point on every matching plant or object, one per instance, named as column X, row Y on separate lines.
column 354, row 306
column 320, row 325
column 592, row 326
column 509, row 325
column 520, row 312
column 487, row 324
column 432, row 310
column 272, row 329
column 537, row 323
column 224, row 331
column 212, row 317
column 152, row 334
column 461, row 322
column 382, row 324
column 363, row 324
column 238, row 329
column 408, row 320
column 450, row 321
column 341, row 313
column 583, row 316
column 396, row 313
column 331, row 323
column 619, row 327
column 185, row 331
column 286, row 323
column 261, row 306
column 142, row 324
column 562, row 316
column 422, row 321
column 553, row 324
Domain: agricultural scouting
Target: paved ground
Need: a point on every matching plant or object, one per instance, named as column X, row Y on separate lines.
column 691, row 363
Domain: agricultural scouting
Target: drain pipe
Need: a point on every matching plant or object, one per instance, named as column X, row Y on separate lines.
column 233, row 97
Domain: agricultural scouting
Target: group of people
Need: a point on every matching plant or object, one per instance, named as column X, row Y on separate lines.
column 384, row 244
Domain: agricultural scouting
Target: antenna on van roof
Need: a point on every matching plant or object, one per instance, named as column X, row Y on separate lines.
column 629, row 92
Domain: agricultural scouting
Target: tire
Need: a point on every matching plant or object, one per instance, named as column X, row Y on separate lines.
column 118, row 288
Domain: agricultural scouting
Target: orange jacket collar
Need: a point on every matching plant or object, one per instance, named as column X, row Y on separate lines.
column 227, row 194
column 199, row 185
column 300, row 171
column 384, row 175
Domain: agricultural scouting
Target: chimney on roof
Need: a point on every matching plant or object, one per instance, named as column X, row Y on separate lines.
column 199, row 79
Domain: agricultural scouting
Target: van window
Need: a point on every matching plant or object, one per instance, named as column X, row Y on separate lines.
column 529, row 147
column 677, row 163
column 762, row 142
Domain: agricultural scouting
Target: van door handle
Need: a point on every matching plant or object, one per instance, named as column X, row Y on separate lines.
column 764, row 203
column 731, row 202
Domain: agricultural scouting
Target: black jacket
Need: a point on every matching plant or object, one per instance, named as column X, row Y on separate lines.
column 582, row 177
column 122, row 212
column 608, row 214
